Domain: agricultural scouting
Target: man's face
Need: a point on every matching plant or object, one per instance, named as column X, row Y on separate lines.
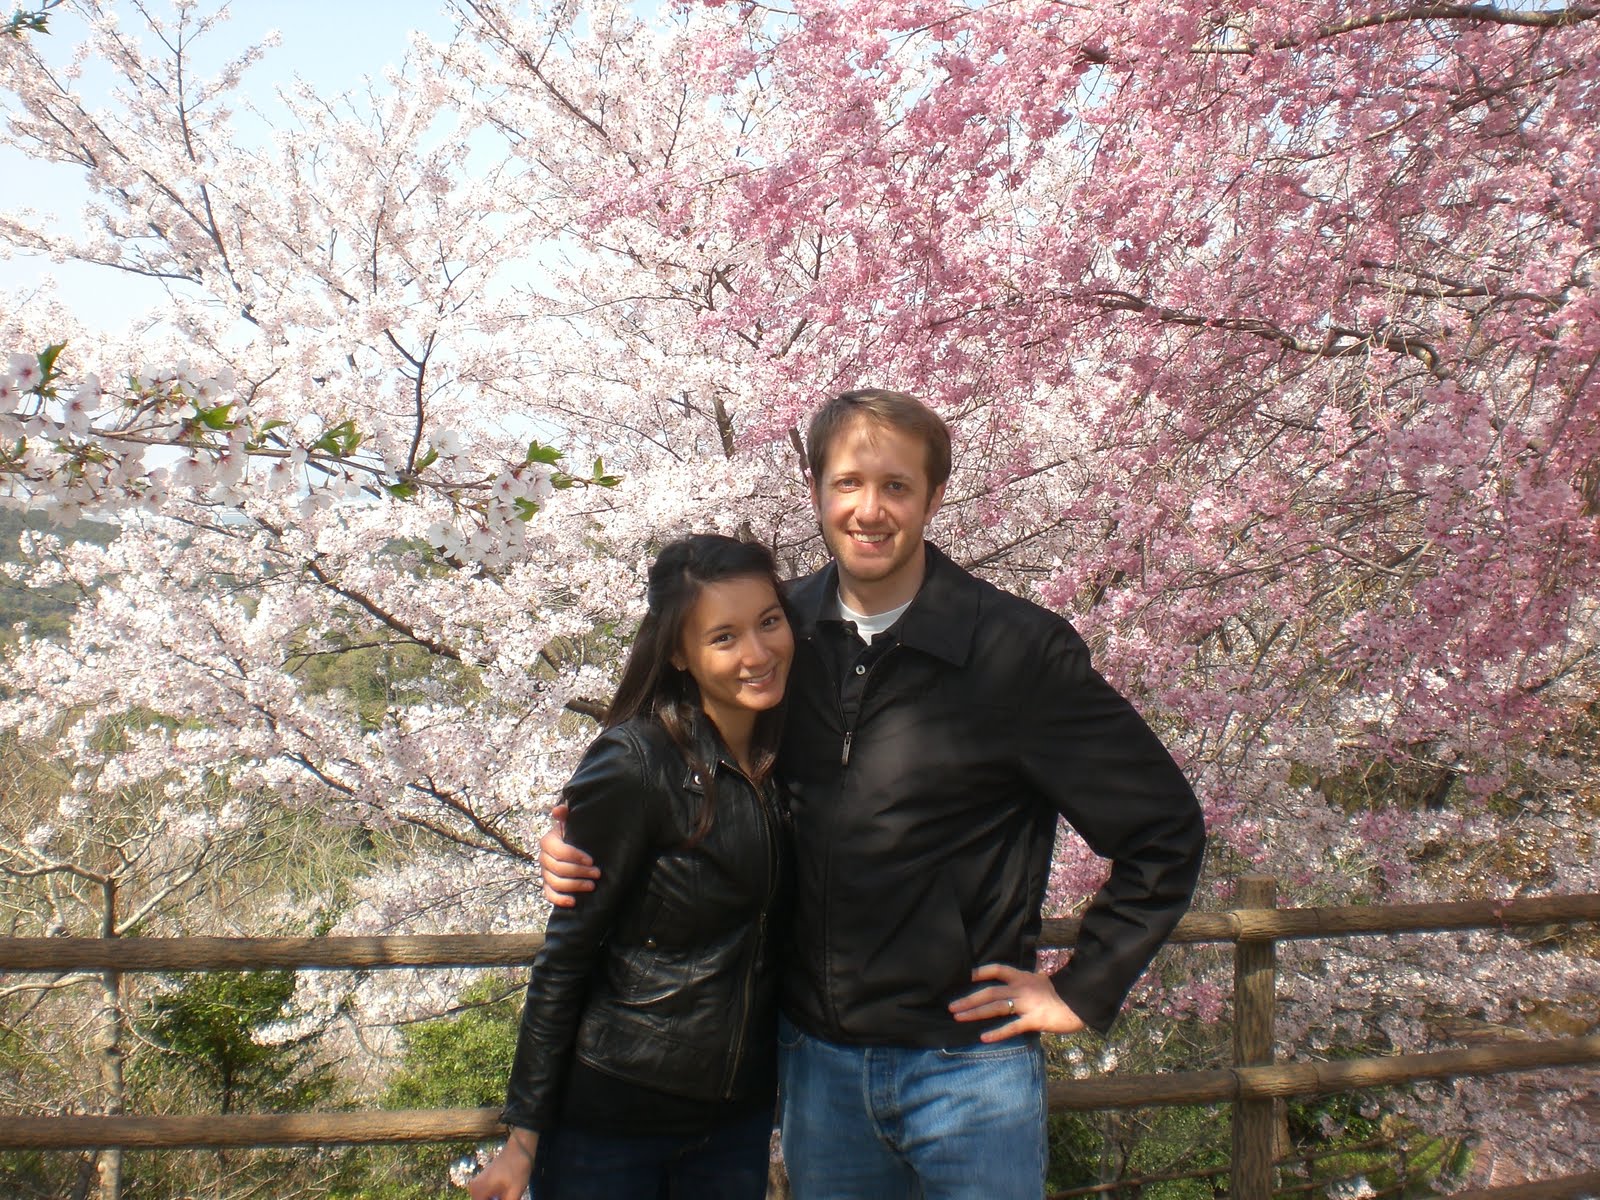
column 874, row 504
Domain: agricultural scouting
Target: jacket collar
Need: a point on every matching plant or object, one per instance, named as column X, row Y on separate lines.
column 941, row 620
column 710, row 749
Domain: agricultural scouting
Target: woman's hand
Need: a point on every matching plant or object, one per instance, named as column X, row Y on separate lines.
column 564, row 869
column 1027, row 996
column 506, row 1177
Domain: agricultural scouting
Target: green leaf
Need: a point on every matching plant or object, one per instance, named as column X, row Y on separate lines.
column 258, row 435
column 428, row 459
column 540, row 453
column 339, row 440
column 47, row 359
column 525, row 508
column 219, row 417
column 403, row 490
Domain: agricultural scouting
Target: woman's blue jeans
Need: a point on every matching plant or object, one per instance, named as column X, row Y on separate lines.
column 901, row 1123
column 729, row 1164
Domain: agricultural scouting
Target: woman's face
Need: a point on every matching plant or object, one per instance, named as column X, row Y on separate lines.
column 737, row 645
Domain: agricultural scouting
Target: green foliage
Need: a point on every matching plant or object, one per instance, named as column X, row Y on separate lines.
column 21, row 1061
column 1093, row 1148
column 339, row 440
column 461, row 1061
column 38, row 1175
column 1351, row 1135
column 31, row 1174
column 1074, row 1148
column 46, row 611
column 1101, row 1148
column 47, row 365
column 25, row 20
column 214, row 1037
column 211, row 1043
column 374, row 677
column 599, row 478
column 220, row 417
column 538, row 452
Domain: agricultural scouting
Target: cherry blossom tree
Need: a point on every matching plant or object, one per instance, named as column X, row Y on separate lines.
column 1268, row 334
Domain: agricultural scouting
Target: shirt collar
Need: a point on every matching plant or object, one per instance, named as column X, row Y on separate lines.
column 941, row 620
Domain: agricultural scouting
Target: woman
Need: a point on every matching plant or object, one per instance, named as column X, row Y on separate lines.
column 645, row 1064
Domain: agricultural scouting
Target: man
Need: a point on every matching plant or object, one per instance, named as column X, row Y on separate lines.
column 937, row 727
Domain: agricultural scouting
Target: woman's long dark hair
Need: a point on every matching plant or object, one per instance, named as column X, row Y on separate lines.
column 652, row 687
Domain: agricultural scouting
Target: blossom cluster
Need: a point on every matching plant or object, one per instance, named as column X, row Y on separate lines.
column 94, row 450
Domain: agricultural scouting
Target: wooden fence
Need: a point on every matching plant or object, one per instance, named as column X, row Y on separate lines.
column 1250, row 1086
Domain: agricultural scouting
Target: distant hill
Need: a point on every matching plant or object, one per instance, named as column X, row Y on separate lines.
column 46, row 610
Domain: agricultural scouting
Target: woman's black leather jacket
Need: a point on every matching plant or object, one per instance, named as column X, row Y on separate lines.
column 665, row 974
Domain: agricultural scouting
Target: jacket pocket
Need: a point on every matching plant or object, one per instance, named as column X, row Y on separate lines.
column 622, row 1043
column 639, row 976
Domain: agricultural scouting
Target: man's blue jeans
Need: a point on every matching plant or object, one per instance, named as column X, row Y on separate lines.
column 901, row 1123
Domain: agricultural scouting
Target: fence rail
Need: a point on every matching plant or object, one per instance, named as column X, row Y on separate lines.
column 519, row 949
column 1250, row 1086
column 467, row 1124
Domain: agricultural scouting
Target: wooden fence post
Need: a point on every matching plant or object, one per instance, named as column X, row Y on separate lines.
column 1254, row 977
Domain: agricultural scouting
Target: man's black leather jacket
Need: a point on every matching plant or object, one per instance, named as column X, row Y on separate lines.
column 664, row 975
column 925, row 776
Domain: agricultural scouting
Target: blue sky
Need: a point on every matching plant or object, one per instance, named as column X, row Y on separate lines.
column 331, row 43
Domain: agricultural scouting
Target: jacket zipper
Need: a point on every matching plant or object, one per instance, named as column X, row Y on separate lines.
column 844, row 763
column 825, row 656
column 764, row 819
column 850, row 733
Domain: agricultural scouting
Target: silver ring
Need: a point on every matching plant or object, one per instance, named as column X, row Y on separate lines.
column 1011, row 1004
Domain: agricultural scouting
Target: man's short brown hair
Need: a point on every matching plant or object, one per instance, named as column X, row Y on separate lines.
column 896, row 410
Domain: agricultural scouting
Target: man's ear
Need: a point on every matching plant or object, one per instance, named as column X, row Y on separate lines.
column 934, row 501
column 816, row 497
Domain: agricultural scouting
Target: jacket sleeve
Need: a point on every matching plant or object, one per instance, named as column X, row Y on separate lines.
column 612, row 807
column 1092, row 755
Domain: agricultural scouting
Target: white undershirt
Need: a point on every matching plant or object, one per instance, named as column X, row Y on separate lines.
column 869, row 627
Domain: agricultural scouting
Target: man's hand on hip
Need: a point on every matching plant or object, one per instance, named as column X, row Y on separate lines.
column 1028, row 997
